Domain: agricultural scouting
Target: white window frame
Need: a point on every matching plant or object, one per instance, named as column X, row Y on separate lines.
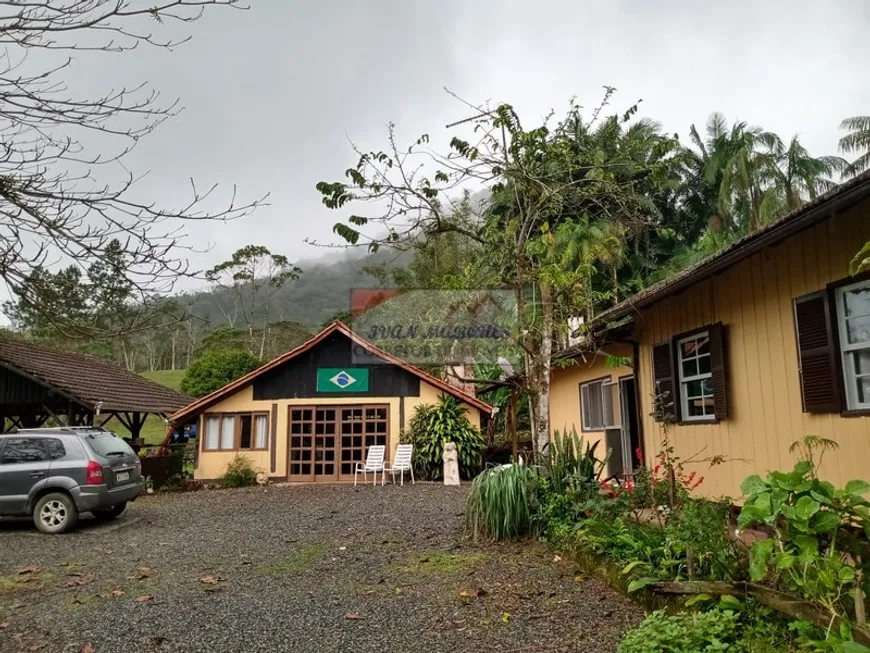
column 847, row 349
column 611, row 389
column 682, row 380
column 585, row 417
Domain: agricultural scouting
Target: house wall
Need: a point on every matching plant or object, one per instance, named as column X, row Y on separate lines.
column 753, row 300
column 212, row 464
column 565, row 388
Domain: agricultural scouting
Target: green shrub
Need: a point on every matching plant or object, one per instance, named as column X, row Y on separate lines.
column 570, row 465
column 239, row 473
column 716, row 630
column 432, row 426
column 215, row 368
column 701, row 526
column 500, row 504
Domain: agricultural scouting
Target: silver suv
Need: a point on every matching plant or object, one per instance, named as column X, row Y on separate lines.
column 55, row 474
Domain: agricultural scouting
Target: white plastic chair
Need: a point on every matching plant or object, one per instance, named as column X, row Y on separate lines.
column 374, row 463
column 402, row 463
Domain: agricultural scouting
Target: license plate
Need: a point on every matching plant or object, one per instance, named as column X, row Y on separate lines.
column 123, row 476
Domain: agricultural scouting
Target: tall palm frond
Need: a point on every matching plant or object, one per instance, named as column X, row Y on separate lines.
column 857, row 141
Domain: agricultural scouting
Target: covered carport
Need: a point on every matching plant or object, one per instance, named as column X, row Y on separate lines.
column 41, row 386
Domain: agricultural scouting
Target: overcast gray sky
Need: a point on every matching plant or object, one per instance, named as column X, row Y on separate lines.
column 271, row 95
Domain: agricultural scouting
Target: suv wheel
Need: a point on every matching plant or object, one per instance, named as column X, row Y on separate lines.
column 110, row 513
column 55, row 513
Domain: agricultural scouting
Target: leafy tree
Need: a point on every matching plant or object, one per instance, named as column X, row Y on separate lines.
column 215, row 369
column 557, row 208
column 252, row 276
column 857, row 141
column 55, row 201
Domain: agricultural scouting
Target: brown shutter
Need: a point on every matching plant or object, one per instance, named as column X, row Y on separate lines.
column 718, row 364
column 666, row 400
column 817, row 354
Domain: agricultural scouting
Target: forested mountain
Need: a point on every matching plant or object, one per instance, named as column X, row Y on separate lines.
column 319, row 294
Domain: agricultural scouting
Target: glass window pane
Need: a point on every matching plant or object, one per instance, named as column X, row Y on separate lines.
column 705, row 365
column 858, row 329
column 260, row 428
column 212, row 430
column 694, row 388
column 690, row 367
column 228, row 431
column 687, row 348
column 857, row 301
column 245, row 437
column 23, row 450
column 703, row 346
column 863, row 390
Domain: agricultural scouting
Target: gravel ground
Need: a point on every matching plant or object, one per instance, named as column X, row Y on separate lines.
column 301, row 569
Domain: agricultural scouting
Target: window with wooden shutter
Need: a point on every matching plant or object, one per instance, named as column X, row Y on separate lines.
column 817, row 363
column 663, row 378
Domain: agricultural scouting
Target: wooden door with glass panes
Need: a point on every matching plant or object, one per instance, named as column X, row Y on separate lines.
column 360, row 427
column 326, row 442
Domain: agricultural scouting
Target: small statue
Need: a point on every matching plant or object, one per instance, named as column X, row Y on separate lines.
column 451, row 464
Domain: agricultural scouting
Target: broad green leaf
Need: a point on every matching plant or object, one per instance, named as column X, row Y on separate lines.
column 632, row 565
column 846, row 574
column 802, row 468
column 759, row 555
column 851, row 647
column 640, row 583
column 806, row 507
column 697, row 598
column 729, row 602
column 806, row 543
column 785, row 561
column 753, row 485
column 825, row 521
column 857, row 487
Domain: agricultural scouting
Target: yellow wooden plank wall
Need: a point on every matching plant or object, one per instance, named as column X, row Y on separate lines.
column 754, row 301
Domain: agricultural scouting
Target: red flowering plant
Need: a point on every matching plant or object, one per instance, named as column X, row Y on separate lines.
column 668, row 483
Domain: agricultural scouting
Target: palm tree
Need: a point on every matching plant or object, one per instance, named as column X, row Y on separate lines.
column 800, row 177
column 857, row 141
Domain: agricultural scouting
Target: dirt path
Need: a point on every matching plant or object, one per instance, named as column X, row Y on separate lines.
column 299, row 569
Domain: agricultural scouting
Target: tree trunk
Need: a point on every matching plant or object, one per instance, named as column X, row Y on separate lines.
column 540, row 367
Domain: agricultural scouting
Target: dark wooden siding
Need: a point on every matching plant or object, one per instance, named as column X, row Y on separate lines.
column 17, row 390
column 297, row 378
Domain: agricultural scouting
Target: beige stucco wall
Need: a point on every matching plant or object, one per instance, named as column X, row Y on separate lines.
column 565, row 388
column 212, row 464
column 753, row 300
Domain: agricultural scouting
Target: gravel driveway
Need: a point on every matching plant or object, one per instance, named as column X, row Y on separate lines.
column 301, row 569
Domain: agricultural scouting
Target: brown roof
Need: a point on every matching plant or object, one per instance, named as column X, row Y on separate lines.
column 340, row 327
column 823, row 207
column 88, row 380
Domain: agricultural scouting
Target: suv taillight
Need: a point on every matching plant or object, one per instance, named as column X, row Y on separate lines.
column 95, row 473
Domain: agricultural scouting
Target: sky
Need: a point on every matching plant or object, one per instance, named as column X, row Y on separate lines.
column 273, row 96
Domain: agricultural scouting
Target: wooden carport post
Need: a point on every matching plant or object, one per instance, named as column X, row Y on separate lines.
column 133, row 422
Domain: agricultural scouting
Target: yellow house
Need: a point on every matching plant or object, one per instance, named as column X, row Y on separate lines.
column 311, row 414
column 593, row 392
column 759, row 345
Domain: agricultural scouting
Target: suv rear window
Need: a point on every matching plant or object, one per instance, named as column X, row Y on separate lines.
column 108, row 444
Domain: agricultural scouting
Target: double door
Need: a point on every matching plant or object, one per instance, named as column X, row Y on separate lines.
column 326, row 442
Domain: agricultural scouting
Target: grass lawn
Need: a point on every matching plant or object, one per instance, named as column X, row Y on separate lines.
column 169, row 378
column 154, row 429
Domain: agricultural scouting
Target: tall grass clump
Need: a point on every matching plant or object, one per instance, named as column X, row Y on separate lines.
column 500, row 506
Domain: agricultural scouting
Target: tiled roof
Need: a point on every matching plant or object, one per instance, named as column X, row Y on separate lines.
column 89, row 380
column 822, row 208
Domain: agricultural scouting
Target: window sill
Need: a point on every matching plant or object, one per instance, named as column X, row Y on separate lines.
column 695, row 422
column 858, row 412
